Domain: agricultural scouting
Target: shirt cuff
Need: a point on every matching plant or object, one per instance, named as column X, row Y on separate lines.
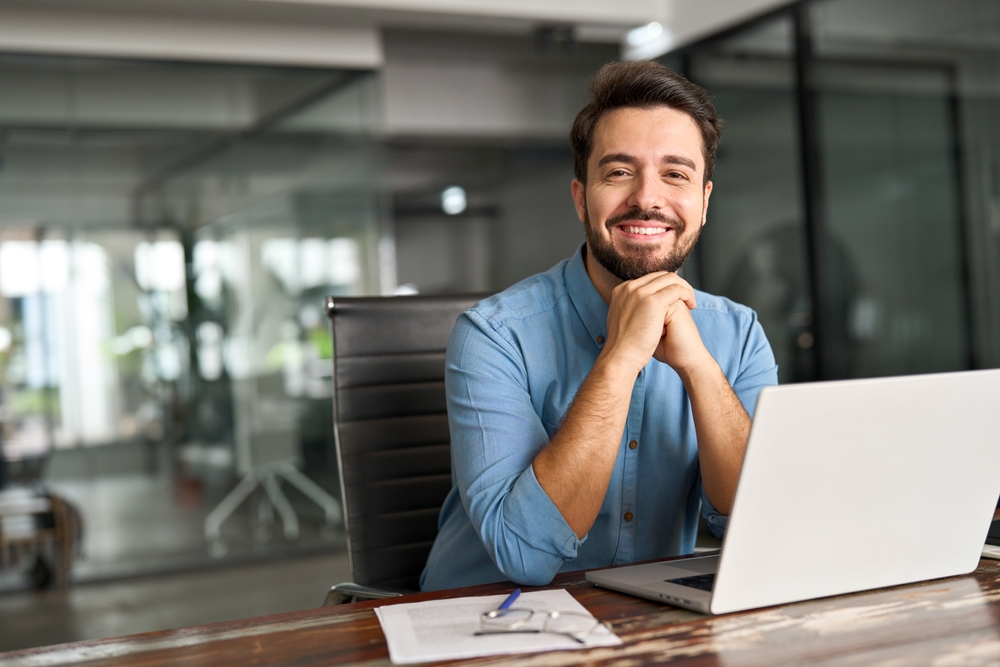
column 529, row 506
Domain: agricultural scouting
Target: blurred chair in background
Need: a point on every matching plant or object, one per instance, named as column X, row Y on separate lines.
column 38, row 528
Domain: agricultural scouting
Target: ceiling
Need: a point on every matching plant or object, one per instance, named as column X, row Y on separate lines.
column 332, row 33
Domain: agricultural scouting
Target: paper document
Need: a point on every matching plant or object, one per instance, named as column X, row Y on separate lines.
column 445, row 629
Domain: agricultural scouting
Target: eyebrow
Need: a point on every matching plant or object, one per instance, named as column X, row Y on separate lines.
column 629, row 159
column 679, row 159
column 617, row 157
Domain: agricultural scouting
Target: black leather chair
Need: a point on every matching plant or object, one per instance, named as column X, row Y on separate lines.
column 391, row 432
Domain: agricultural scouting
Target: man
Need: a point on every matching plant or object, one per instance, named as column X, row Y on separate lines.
column 594, row 408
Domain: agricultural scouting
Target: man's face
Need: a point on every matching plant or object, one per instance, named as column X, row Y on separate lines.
column 645, row 198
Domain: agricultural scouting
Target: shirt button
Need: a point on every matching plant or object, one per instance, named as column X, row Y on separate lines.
column 633, row 444
column 628, row 516
column 600, row 340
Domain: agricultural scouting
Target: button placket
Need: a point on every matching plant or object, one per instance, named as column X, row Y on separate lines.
column 630, row 455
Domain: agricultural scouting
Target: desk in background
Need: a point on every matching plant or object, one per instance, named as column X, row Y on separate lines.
column 948, row 622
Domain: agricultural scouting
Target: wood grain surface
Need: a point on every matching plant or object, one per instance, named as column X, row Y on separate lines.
column 945, row 622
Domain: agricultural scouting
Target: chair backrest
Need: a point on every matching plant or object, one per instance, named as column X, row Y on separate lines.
column 391, row 429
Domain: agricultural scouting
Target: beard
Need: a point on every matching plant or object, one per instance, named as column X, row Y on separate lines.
column 640, row 259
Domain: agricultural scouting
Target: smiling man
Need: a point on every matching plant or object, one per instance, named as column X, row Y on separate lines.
column 596, row 408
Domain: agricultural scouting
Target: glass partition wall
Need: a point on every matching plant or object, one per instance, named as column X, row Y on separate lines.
column 855, row 202
column 754, row 246
column 167, row 232
column 165, row 364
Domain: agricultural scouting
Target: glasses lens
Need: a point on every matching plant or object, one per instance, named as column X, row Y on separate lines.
column 570, row 624
column 508, row 619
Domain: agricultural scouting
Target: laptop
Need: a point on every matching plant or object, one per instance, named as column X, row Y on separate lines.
column 847, row 486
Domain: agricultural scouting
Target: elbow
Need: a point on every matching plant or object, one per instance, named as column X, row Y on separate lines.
column 528, row 566
column 717, row 524
column 529, row 577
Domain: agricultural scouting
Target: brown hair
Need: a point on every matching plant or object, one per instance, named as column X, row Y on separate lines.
column 643, row 84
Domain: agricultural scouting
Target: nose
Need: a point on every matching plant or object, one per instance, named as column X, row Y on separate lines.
column 648, row 192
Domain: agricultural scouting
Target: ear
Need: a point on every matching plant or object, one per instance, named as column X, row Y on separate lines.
column 579, row 199
column 704, row 207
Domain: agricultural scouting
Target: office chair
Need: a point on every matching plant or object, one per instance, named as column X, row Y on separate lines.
column 391, row 434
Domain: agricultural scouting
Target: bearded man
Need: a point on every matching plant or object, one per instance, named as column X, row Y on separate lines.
column 596, row 408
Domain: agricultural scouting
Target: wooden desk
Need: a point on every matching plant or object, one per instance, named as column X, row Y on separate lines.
column 947, row 622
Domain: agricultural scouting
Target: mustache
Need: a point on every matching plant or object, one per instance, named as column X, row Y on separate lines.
column 639, row 215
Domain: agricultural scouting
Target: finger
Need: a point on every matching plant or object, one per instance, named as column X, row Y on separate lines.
column 641, row 281
column 677, row 311
column 660, row 279
column 659, row 276
column 669, row 287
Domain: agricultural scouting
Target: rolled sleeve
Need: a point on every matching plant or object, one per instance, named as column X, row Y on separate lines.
column 496, row 435
column 716, row 522
column 757, row 367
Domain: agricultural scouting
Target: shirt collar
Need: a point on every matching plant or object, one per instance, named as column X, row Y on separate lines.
column 585, row 297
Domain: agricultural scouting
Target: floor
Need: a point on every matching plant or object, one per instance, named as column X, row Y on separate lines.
column 136, row 524
column 143, row 512
column 225, row 592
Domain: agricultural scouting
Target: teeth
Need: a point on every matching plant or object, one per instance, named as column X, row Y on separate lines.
column 643, row 230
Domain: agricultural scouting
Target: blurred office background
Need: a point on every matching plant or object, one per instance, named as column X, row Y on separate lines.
column 182, row 183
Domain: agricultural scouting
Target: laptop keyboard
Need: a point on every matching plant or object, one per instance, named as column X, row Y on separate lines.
column 700, row 581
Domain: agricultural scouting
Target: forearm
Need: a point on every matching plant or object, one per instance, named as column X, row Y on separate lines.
column 575, row 467
column 723, row 427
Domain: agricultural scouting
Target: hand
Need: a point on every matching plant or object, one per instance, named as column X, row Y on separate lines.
column 650, row 316
column 681, row 346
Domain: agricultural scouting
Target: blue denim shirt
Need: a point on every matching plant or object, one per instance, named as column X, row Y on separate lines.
column 514, row 364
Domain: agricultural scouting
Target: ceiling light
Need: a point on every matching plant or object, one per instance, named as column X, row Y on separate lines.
column 644, row 34
column 453, row 200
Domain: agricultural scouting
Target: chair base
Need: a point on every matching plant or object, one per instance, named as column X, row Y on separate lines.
column 268, row 477
column 351, row 592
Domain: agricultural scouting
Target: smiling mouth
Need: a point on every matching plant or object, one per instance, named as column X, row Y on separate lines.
column 644, row 231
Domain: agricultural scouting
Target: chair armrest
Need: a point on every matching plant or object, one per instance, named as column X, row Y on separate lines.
column 351, row 592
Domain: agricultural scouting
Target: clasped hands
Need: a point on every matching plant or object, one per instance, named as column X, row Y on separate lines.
column 650, row 317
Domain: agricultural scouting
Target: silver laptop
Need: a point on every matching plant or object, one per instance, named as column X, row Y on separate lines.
column 847, row 486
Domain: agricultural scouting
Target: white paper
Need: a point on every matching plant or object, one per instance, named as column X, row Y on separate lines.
column 445, row 629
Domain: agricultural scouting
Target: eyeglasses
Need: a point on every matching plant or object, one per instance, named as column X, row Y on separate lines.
column 574, row 625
